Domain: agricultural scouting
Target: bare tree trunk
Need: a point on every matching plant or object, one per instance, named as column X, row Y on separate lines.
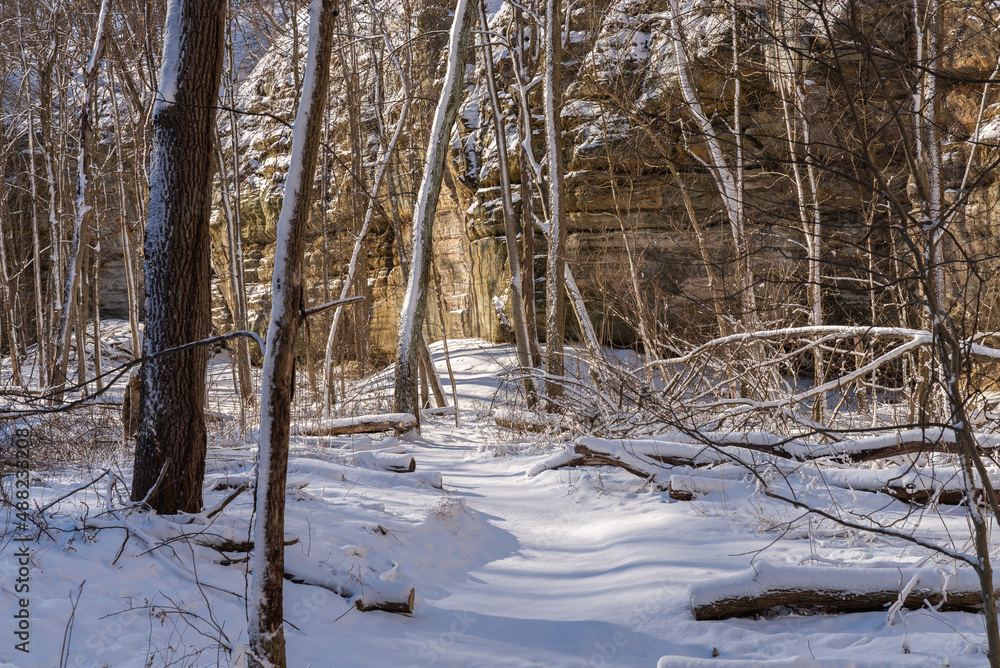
column 555, row 305
column 48, row 148
column 128, row 249
column 8, row 302
column 41, row 322
column 729, row 187
column 96, row 307
column 266, row 631
column 237, row 288
column 415, row 301
column 172, row 433
column 947, row 345
column 236, row 232
column 80, row 327
column 789, row 86
column 75, row 269
column 510, row 231
column 528, row 266
column 356, row 258
column 525, row 57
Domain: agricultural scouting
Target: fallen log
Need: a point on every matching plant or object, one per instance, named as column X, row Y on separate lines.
column 829, row 589
column 388, row 597
column 429, row 478
column 582, row 455
column 360, row 424
column 851, row 451
column 687, row 487
column 789, row 662
column 384, row 595
column 912, row 484
column 397, row 462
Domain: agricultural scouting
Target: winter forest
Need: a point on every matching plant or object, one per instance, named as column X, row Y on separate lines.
column 483, row 333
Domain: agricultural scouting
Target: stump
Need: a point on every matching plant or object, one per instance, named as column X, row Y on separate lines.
column 130, row 404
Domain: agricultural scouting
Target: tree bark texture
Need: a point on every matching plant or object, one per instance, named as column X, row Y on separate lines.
column 555, row 303
column 178, row 272
column 266, row 630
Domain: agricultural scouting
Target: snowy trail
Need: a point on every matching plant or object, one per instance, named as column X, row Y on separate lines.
column 571, row 568
column 583, row 569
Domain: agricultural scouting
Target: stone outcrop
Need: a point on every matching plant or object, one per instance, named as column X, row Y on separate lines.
column 630, row 151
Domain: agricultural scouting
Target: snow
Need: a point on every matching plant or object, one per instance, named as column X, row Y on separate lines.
column 568, row 568
column 172, row 43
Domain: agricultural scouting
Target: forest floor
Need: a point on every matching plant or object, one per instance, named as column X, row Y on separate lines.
column 572, row 567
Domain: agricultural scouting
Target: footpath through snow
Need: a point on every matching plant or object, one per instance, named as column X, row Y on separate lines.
column 569, row 568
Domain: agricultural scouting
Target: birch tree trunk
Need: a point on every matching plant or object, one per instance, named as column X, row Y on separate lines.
column 411, row 318
column 266, row 631
column 48, row 146
column 172, row 433
column 555, row 305
column 725, row 182
column 951, row 360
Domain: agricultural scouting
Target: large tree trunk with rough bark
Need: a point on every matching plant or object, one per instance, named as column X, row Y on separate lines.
column 178, row 273
column 411, row 319
column 266, row 630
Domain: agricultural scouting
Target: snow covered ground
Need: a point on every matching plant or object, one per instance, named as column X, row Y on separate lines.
column 568, row 568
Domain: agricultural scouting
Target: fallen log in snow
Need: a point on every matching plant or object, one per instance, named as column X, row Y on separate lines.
column 389, row 459
column 387, row 595
column 582, row 455
column 831, row 589
column 907, row 483
column 716, row 448
column 430, row 478
column 360, row 424
column 789, row 662
column 650, row 458
column 893, row 444
column 687, row 487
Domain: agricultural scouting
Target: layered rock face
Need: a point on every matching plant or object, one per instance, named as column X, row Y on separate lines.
column 360, row 122
column 642, row 197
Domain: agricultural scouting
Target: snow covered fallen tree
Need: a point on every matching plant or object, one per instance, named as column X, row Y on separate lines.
column 766, row 586
column 710, row 448
column 718, row 456
column 384, row 593
column 360, row 424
